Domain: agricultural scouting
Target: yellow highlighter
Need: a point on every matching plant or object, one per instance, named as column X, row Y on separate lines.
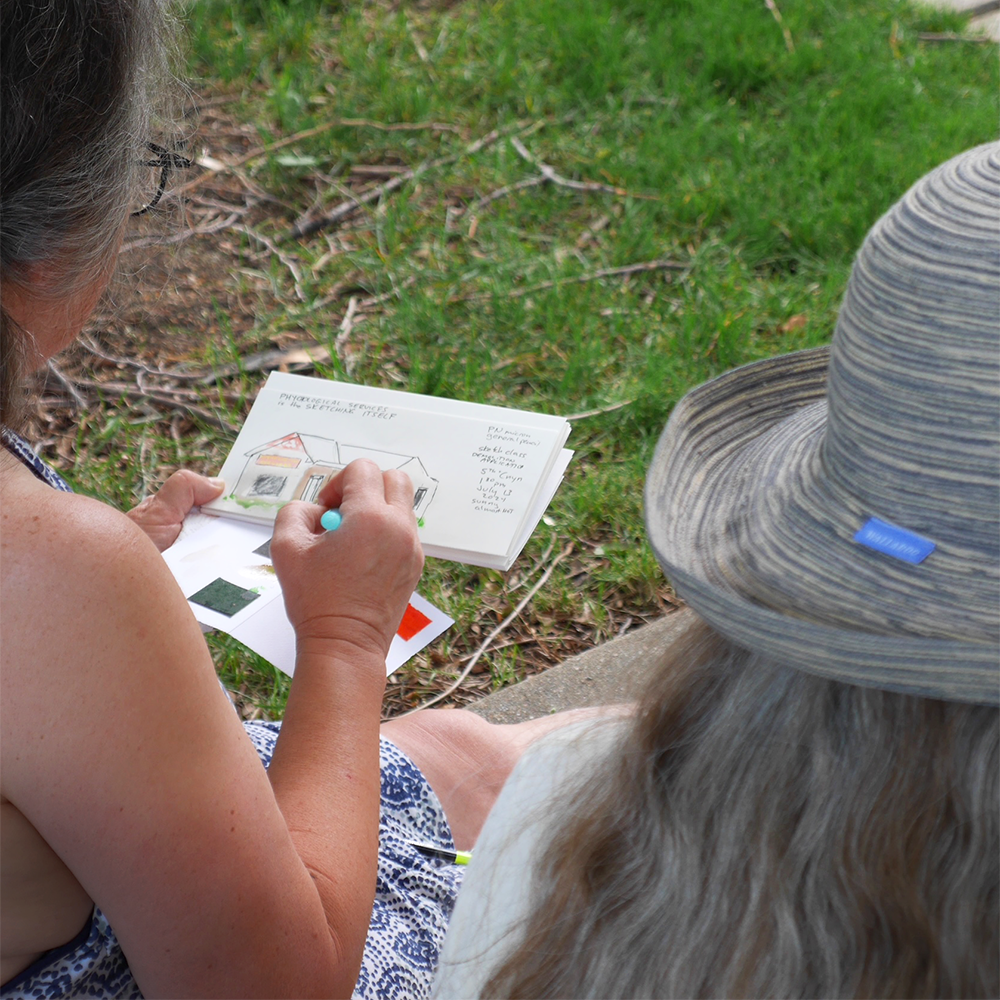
column 455, row 857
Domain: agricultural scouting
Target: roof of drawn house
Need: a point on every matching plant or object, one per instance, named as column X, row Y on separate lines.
column 325, row 451
column 318, row 449
column 384, row 459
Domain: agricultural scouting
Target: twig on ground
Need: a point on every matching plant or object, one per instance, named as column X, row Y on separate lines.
column 773, row 8
column 515, row 583
column 306, row 227
column 550, row 174
column 606, row 272
column 215, row 101
column 485, row 645
column 421, row 51
column 145, row 473
column 308, row 133
column 591, row 231
column 598, row 412
column 183, row 234
column 67, row 384
column 158, row 397
column 304, row 354
column 87, row 343
column 346, row 326
column 510, row 189
column 281, row 255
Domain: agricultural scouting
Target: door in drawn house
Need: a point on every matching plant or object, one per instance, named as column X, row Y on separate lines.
column 312, row 487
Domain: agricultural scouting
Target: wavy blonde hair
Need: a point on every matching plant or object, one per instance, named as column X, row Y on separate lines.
column 760, row 831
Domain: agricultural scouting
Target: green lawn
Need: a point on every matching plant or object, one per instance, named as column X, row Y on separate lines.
column 747, row 157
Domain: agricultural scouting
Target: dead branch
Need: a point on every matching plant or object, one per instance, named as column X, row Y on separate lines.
column 421, row 51
column 202, row 103
column 67, row 384
column 550, row 174
column 509, row 189
column 87, row 343
column 306, row 227
column 605, row 272
column 219, row 166
column 603, row 409
column 773, row 8
column 591, row 231
column 184, row 234
column 281, row 255
column 487, row 642
column 172, row 402
column 346, row 326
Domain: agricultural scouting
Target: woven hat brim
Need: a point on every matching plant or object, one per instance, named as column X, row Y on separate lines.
column 781, row 400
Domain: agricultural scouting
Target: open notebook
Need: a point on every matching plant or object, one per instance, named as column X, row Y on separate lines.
column 483, row 475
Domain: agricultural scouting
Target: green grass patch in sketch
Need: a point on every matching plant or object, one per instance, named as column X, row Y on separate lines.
column 225, row 597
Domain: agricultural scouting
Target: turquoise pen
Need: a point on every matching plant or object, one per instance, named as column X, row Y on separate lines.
column 455, row 857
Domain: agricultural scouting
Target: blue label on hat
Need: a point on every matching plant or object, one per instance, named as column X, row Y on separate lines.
column 894, row 541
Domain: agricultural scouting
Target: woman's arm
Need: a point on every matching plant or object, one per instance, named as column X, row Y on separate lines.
column 123, row 752
column 343, row 631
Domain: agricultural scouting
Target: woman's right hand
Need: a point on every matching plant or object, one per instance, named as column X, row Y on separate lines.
column 349, row 586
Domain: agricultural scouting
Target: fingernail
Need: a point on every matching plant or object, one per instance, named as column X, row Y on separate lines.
column 218, row 483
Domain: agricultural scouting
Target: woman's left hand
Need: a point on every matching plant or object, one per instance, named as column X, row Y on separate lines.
column 161, row 515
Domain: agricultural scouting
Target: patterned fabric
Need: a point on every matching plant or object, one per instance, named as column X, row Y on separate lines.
column 414, row 897
column 20, row 449
column 414, row 894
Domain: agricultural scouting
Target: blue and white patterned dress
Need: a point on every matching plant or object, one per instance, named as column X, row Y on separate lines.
column 414, row 895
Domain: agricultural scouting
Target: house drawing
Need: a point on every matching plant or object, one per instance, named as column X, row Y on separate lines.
column 296, row 467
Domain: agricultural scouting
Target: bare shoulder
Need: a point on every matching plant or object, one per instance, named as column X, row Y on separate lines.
column 45, row 533
column 71, row 562
column 88, row 605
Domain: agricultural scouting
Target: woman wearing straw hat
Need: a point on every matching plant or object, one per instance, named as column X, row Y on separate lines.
column 806, row 803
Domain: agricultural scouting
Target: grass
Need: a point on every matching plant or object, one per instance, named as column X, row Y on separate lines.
column 755, row 164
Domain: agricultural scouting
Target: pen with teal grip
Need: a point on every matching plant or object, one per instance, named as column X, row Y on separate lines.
column 444, row 853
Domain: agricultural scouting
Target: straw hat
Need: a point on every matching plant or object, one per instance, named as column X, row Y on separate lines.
column 839, row 508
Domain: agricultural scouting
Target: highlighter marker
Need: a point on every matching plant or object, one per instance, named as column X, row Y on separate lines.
column 455, row 857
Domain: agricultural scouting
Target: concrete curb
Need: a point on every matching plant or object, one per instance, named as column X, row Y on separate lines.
column 606, row 675
column 984, row 15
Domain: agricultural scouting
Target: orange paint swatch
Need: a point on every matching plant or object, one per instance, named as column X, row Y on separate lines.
column 414, row 621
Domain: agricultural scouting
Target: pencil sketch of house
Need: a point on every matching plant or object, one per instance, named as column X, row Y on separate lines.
column 296, row 466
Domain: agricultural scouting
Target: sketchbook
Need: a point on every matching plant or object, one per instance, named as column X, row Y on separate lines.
column 482, row 475
column 225, row 571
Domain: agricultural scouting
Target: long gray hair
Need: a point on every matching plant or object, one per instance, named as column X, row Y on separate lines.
column 760, row 831
column 77, row 86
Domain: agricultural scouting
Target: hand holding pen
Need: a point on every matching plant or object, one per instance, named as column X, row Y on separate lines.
column 350, row 584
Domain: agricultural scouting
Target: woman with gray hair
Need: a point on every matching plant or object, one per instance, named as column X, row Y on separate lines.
column 145, row 850
column 806, row 804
